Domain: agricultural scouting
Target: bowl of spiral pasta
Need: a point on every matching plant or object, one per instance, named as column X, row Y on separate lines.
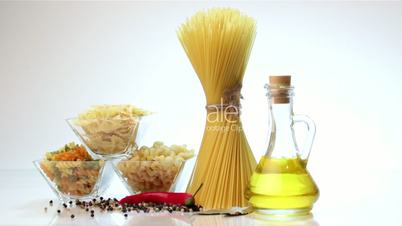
column 109, row 131
column 72, row 173
column 153, row 169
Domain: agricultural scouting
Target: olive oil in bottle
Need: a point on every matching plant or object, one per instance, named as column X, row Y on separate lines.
column 281, row 184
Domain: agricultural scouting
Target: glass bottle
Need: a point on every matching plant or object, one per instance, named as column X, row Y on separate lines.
column 281, row 184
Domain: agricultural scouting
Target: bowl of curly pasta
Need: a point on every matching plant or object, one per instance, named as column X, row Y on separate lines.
column 153, row 169
column 72, row 173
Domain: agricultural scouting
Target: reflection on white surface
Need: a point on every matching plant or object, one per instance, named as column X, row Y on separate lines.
column 117, row 218
column 176, row 219
column 82, row 217
column 253, row 219
column 223, row 221
column 170, row 219
column 275, row 221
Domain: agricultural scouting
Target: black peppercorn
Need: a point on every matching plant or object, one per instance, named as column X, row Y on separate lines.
column 58, row 211
column 87, row 209
column 125, row 215
column 92, row 211
column 51, row 202
column 72, row 216
column 92, row 215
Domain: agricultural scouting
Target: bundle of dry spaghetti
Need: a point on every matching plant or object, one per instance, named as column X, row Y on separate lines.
column 218, row 43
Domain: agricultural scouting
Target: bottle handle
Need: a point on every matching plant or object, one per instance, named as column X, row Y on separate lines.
column 305, row 152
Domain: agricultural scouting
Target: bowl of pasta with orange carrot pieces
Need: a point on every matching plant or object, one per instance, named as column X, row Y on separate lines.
column 72, row 173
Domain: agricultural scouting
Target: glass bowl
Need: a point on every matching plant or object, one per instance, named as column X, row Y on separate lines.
column 73, row 179
column 149, row 176
column 107, row 138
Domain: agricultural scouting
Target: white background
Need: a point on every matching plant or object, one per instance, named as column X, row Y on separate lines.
column 57, row 59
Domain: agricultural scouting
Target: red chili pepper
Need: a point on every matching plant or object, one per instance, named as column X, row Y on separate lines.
column 160, row 197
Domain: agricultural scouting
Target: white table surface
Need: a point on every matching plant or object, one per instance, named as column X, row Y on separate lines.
column 26, row 194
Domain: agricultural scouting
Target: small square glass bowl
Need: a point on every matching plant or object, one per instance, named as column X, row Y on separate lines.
column 149, row 176
column 72, row 180
column 107, row 138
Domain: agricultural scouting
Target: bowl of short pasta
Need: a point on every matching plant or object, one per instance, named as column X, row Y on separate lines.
column 72, row 173
column 153, row 169
column 107, row 138
column 109, row 131
column 72, row 179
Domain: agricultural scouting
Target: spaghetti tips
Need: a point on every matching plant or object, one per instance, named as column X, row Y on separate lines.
column 218, row 43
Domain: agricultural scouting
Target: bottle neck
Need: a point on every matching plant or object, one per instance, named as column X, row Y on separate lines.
column 282, row 140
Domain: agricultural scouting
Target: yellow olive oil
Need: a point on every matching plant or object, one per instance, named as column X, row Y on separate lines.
column 282, row 184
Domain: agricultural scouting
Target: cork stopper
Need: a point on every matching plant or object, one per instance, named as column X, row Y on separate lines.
column 279, row 91
column 280, row 80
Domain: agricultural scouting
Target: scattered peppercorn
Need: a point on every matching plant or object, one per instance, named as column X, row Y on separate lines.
column 51, row 202
column 112, row 205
